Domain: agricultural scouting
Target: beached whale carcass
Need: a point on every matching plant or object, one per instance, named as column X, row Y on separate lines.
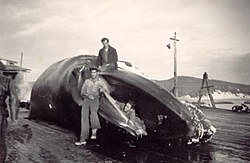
column 56, row 97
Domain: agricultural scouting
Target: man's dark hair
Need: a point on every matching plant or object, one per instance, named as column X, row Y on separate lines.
column 132, row 103
column 94, row 68
column 104, row 39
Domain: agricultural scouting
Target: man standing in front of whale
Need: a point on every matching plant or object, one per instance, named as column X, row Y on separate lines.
column 90, row 92
column 107, row 57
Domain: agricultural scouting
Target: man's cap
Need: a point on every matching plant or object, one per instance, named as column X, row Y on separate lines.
column 94, row 68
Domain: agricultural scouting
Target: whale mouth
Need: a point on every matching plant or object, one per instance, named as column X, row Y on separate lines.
column 110, row 111
column 165, row 117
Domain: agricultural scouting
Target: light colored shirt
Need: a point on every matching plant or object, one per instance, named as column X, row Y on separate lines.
column 93, row 86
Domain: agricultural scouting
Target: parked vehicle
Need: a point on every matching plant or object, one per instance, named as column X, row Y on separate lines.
column 241, row 108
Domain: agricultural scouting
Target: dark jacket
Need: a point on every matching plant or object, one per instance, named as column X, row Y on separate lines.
column 4, row 92
column 112, row 57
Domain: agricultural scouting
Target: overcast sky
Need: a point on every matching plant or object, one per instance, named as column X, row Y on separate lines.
column 214, row 34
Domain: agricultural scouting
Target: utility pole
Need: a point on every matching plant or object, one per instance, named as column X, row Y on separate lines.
column 21, row 62
column 175, row 90
column 20, row 72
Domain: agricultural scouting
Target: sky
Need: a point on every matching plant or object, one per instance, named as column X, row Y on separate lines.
column 214, row 34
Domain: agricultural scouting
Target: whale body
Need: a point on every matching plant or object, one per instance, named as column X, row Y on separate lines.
column 55, row 97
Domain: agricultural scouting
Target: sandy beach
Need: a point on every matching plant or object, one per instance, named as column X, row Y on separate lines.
column 33, row 141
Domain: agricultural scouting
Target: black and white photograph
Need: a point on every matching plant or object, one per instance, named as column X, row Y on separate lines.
column 131, row 81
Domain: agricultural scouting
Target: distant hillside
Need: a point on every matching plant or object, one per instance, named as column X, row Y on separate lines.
column 190, row 86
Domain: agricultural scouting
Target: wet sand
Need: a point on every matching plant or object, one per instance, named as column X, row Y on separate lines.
column 32, row 141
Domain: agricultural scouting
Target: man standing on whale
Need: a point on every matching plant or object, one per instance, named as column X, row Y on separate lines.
column 90, row 92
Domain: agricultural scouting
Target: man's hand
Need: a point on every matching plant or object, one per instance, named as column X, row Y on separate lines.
column 102, row 90
column 139, row 133
column 91, row 97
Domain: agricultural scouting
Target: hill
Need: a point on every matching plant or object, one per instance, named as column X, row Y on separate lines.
column 190, row 86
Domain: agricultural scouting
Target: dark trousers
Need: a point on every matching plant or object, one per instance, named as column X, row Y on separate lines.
column 3, row 130
column 89, row 115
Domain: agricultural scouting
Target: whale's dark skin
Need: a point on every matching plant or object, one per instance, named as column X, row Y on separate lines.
column 56, row 97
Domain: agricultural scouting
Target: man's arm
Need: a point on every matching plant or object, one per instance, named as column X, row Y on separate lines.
column 131, row 115
column 9, row 94
column 104, row 86
column 13, row 101
column 84, row 88
column 114, row 57
column 99, row 59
